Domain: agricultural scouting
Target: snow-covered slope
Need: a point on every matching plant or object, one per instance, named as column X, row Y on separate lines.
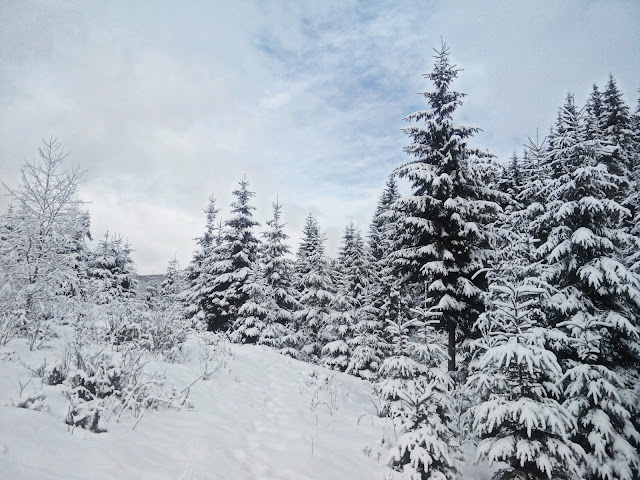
column 262, row 416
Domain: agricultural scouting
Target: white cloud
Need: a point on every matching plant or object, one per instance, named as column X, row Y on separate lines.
column 166, row 103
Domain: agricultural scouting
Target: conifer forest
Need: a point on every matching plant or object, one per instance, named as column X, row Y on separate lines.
column 491, row 307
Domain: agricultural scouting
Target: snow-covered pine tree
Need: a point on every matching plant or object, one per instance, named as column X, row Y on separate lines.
column 112, row 271
column 200, row 281
column 278, row 273
column 173, row 283
column 617, row 132
column 520, row 420
column 235, row 259
column 418, row 397
column 594, row 115
column 385, row 285
column 533, row 173
column 257, row 312
column 582, row 258
column 366, row 342
column 338, row 330
column 443, row 239
column 383, row 215
column 316, row 289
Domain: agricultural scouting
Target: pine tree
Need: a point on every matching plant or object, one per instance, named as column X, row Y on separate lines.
column 378, row 231
column 173, row 283
column 515, row 175
column 235, row 259
column 617, row 130
column 278, row 273
column 112, row 271
column 385, row 283
column 443, row 242
column 266, row 317
column 200, row 281
column 520, row 420
column 316, row 290
column 582, row 258
column 256, row 314
column 418, row 395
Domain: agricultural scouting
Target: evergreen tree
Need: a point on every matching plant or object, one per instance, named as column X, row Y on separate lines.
column 520, row 420
column 515, row 175
column 378, row 231
column 443, row 240
column 233, row 261
column 112, row 271
column 198, row 307
column 617, row 130
column 267, row 315
column 256, row 314
column 173, row 283
column 316, row 287
column 278, row 273
column 582, row 258
column 594, row 115
column 418, row 395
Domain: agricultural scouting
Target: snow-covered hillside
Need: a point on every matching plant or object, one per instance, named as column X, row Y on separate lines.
column 261, row 416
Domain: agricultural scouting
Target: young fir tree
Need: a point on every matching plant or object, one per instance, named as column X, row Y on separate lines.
column 278, row 273
column 418, row 397
column 382, row 239
column 594, row 115
column 383, row 215
column 112, row 271
column 233, row 261
column 200, row 281
column 266, row 316
column 617, row 132
column 173, row 283
column 366, row 342
column 338, row 330
column 443, row 239
column 316, row 290
column 520, row 420
column 256, row 314
column 582, row 258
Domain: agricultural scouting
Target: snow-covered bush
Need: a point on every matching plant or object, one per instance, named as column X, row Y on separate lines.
column 324, row 390
column 30, row 399
column 213, row 352
column 117, row 382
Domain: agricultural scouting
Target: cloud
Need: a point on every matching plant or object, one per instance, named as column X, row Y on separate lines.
column 164, row 104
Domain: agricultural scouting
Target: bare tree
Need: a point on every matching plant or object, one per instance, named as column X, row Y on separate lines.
column 42, row 234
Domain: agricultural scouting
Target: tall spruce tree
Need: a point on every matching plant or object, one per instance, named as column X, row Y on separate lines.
column 316, row 289
column 595, row 297
column 443, row 242
column 198, row 306
column 278, row 273
column 235, row 259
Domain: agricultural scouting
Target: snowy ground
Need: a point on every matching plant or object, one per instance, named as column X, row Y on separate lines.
column 262, row 416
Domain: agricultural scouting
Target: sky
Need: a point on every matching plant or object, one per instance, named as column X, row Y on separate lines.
column 163, row 104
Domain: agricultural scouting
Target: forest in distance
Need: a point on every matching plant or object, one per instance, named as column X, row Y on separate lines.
column 492, row 302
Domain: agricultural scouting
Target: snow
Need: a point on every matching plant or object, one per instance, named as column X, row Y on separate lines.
column 264, row 416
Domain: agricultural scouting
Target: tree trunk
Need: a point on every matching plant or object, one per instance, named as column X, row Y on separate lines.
column 451, row 325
